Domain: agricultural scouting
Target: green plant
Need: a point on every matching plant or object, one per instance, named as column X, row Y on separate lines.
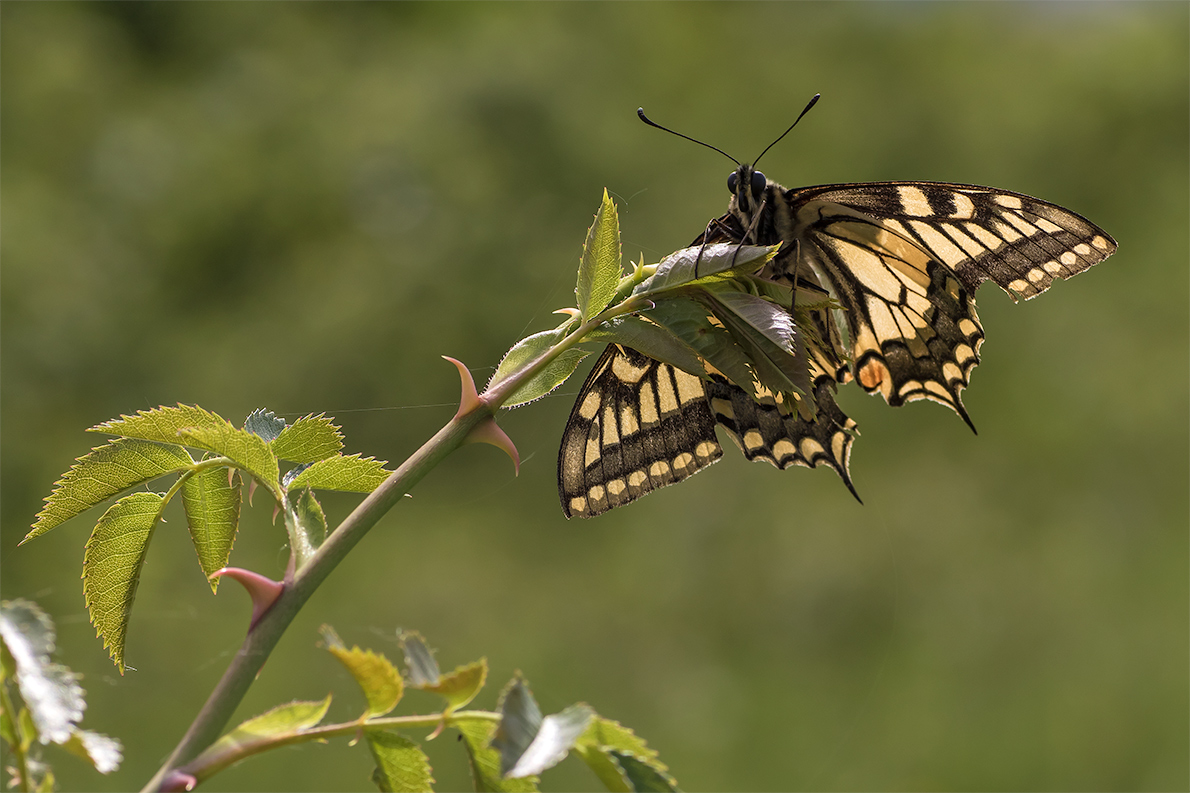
column 651, row 309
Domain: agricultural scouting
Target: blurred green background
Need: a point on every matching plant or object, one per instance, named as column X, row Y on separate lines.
column 301, row 206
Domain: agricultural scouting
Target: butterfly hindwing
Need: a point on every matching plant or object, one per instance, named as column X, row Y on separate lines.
column 637, row 425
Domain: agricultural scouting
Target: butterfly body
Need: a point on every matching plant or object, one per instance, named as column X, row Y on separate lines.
column 891, row 269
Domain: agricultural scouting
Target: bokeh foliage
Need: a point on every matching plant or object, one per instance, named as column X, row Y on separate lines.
column 304, row 205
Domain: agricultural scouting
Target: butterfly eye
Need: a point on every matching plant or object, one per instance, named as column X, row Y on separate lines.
column 731, row 182
column 758, row 183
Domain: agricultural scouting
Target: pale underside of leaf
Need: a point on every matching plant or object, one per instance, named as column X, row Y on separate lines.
column 553, row 741
column 105, row 471
column 101, row 751
column 306, row 526
column 112, row 564
column 720, row 259
column 212, row 507
column 485, row 761
column 50, row 691
column 351, row 473
column 688, row 320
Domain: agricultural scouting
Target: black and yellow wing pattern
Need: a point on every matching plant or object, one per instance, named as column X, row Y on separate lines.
column 900, row 261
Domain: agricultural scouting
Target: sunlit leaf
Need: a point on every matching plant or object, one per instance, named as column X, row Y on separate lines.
column 553, row 741
column 353, row 474
column 112, row 564
column 599, row 269
column 212, row 515
column 553, row 375
column 642, row 775
column 161, row 424
column 460, row 686
column 604, row 742
column 264, row 424
column 401, row 767
column 485, row 761
column 249, row 452
column 105, row 471
column 50, row 691
column 309, row 439
column 377, row 677
column 272, row 728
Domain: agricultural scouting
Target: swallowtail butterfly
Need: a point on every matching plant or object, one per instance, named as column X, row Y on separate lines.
column 900, row 262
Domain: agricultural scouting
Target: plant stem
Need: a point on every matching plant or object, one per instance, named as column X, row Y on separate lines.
column 263, row 637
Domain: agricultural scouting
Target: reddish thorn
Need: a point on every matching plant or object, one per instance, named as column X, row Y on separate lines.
column 263, row 591
column 178, row 780
column 251, row 491
column 276, row 509
column 231, row 472
column 487, row 431
column 569, row 312
column 437, row 730
column 470, row 399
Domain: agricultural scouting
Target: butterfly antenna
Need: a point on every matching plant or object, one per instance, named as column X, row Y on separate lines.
column 640, row 111
column 811, row 104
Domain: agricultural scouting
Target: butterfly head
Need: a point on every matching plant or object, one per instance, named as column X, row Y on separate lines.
column 746, row 185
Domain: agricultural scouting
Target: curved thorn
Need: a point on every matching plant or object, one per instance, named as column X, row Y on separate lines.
column 263, row 591
column 251, row 490
column 470, row 397
column 487, row 431
column 569, row 312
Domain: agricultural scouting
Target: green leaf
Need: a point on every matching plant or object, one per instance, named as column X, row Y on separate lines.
column 721, row 259
column 688, row 319
column 553, row 741
column 249, row 452
column 419, row 660
column 353, row 474
column 309, row 439
column 401, row 767
column 306, row 526
column 101, row 751
column 381, row 682
column 213, row 514
column 525, row 352
column 520, row 720
column 649, row 338
column 105, row 471
column 460, row 686
column 766, row 333
column 112, row 563
column 50, row 691
column 264, row 424
column 160, row 424
column 603, row 744
column 599, row 269
column 641, row 774
column 485, row 761
column 276, row 727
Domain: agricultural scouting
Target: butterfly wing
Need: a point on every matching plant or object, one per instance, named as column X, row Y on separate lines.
column 637, row 425
column 904, row 260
